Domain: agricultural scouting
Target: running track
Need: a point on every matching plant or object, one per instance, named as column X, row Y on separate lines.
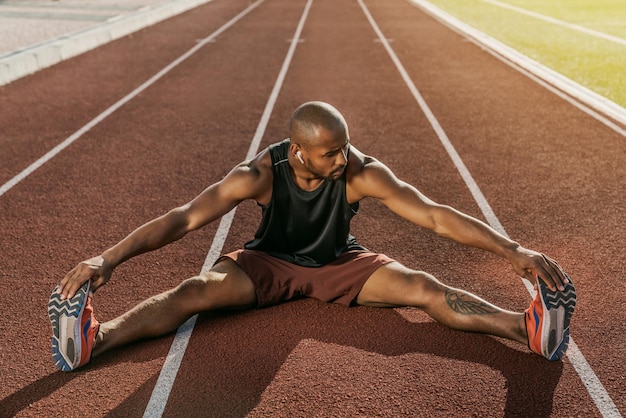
column 553, row 176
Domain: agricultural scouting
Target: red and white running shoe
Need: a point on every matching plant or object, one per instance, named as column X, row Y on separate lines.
column 74, row 328
column 548, row 318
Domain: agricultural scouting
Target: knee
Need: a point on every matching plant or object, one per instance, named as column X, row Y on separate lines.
column 397, row 285
column 215, row 290
column 428, row 283
column 193, row 293
column 423, row 288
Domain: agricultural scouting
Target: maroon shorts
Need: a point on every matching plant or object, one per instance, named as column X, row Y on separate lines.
column 277, row 280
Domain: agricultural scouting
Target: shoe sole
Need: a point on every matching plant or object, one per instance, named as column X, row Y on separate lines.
column 65, row 317
column 558, row 308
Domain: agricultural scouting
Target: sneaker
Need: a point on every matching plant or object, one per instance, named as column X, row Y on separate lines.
column 547, row 320
column 74, row 328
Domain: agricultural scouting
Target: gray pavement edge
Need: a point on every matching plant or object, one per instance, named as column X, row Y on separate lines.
column 32, row 59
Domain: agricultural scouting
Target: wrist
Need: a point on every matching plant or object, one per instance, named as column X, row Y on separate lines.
column 108, row 257
column 510, row 250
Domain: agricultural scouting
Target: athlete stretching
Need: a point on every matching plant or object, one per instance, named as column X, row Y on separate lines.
column 309, row 187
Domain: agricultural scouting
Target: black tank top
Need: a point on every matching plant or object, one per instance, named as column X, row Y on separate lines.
column 310, row 229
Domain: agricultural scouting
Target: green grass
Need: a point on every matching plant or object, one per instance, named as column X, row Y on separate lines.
column 595, row 63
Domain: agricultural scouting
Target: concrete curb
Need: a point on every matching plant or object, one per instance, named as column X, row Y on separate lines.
column 34, row 58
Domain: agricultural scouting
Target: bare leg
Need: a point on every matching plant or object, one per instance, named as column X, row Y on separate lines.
column 395, row 285
column 226, row 286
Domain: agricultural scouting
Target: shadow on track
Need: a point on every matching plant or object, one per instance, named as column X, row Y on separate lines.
column 233, row 358
column 39, row 389
column 45, row 387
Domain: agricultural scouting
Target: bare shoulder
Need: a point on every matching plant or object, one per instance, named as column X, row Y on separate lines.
column 253, row 178
column 259, row 166
column 368, row 177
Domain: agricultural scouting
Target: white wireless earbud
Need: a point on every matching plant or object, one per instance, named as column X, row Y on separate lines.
column 299, row 155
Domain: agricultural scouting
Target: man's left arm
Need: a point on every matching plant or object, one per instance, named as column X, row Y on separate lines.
column 378, row 181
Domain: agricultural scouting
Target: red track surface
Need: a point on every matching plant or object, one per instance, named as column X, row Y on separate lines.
column 554, row 177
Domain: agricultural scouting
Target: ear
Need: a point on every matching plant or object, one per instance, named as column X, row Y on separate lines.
column 294, row 148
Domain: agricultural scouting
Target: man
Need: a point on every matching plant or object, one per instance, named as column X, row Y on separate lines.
column 309, row 187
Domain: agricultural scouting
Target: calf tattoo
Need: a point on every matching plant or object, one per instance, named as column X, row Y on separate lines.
column 466, row 305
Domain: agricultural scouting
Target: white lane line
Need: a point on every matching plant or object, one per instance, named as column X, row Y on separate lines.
column 164, row 384
column 458, row 162
column 558, row 22
column 567, row 89
column 595, row 388
column 60, row 147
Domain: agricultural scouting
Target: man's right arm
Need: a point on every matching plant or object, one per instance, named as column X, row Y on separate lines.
column 249, row 180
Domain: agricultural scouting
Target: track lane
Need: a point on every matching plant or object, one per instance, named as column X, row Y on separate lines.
column 161, row 391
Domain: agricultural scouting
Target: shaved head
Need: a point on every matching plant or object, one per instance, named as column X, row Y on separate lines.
column 309, row 117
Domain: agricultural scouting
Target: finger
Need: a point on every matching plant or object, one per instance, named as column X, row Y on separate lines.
column 550, row 276
column 560, row 271
column 76, row 281
column 555, row 263
column 101, row 280
column 64, row 281
column 61, row 289
column 529, row 275
column 74, row 286
column 543, row 275
column 96, row 282
column 64, row 288
column 555, row 271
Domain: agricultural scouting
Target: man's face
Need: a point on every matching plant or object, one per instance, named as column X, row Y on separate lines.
column 327, row 157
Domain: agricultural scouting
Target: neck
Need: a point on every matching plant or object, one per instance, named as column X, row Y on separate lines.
column 302, row 177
